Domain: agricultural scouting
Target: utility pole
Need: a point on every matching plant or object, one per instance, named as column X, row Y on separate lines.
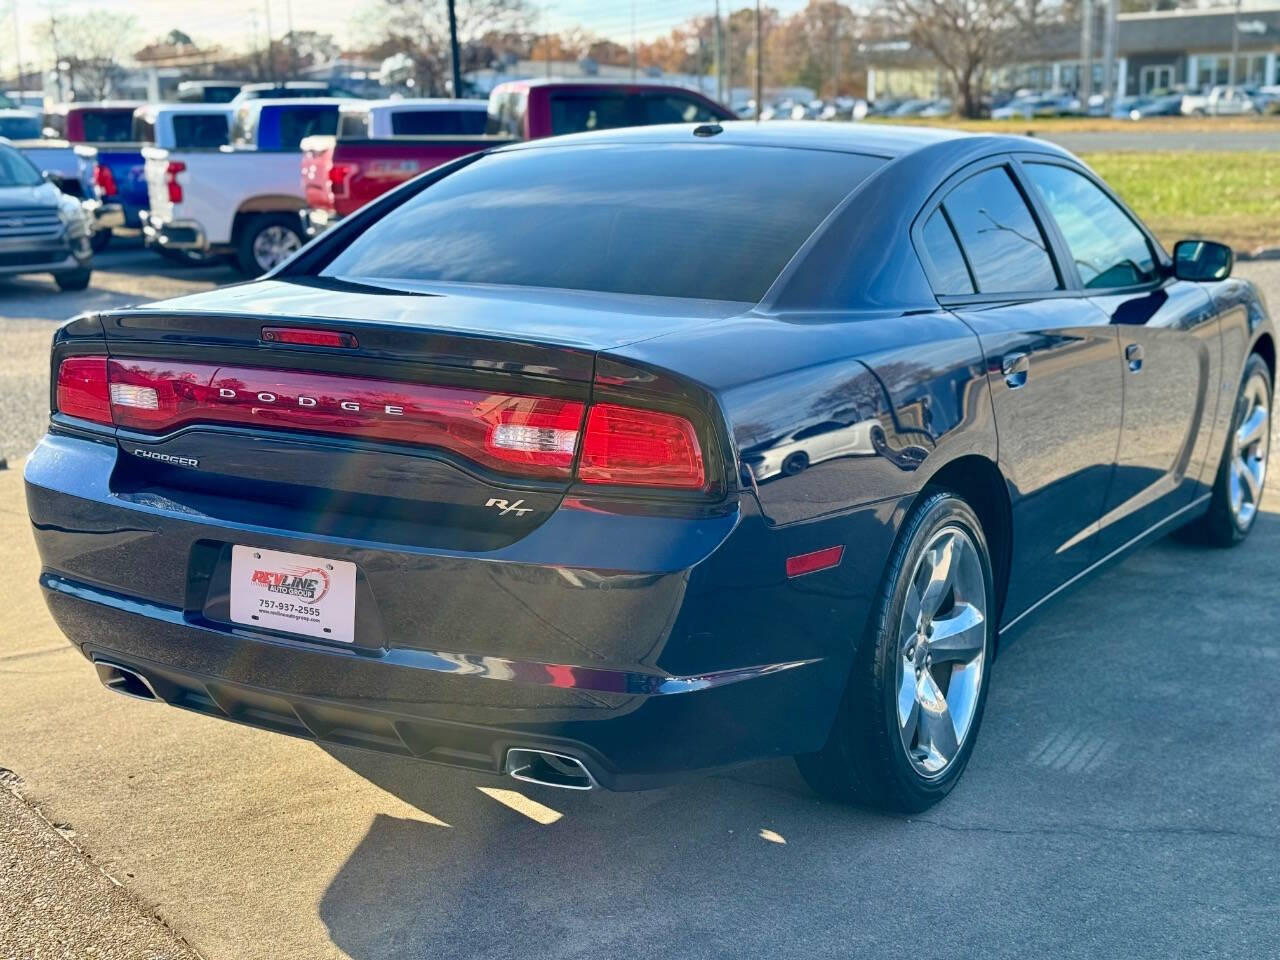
column 1235, row 45
column 1109, row 57
column 1085, row 86
column 835, row 53
column 454, row 57
column 718, row 38
column 17, row 45
column 759, row 64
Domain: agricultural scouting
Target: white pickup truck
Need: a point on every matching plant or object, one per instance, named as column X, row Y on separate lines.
column 243, row 199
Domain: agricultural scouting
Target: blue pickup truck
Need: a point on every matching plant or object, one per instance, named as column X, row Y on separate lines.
column 108, row 126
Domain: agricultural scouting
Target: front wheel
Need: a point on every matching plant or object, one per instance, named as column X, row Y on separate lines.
column 267, row 241
column 73, row 279
column 1237, row 490
column 914, row 700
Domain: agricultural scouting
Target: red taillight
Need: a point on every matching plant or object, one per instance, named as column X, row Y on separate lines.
column 514, row 433
column 640, row 448
column 536, row 436
column 339, row 176
column 171, row 180
column 82, row 389
column 104, row 180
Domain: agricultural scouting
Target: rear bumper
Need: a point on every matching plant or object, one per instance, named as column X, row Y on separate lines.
column 174, row 234
column 690, row 651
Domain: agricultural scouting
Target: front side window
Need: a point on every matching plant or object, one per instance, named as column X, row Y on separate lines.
column 1004, row 245
column 673, row 108
column 1108, row 248
column 694, row 221
column 204, row 131
column 438, row 123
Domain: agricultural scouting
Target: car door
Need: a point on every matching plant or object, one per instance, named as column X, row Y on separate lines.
column 1053, row 364
column 1169, row 342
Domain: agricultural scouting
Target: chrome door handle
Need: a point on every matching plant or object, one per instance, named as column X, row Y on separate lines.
column 1015, row 367
column 1133, row 357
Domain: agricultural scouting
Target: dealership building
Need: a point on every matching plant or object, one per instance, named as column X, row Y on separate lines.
column 1156, row 51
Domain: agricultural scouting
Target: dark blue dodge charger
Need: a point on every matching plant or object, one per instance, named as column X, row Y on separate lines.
column 602, row 459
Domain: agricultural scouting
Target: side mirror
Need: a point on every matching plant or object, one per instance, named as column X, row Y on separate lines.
column 1202, row 260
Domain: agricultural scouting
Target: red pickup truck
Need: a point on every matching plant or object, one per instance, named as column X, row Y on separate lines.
column 368, row 157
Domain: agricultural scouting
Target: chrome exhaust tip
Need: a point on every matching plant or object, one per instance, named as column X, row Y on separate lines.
column 549, row 769
column 124, row 681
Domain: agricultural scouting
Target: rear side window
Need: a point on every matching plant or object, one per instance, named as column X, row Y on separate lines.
column 353, row 125
column 144, row 128
column 438, row 123
column 1000, row 237
column 199, row 130
column 506, row 114
column 294, row 123
column 576, row 113
column 56, row 122
column 107, row 126
column 1108, row 248
column 950, row 275
column 694, row 221
column 673, row 108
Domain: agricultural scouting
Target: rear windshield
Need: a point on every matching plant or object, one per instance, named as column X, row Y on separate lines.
column 438, row 123
column 700, row 221
column 20, row 128
column 107, row 126
column 199, row 130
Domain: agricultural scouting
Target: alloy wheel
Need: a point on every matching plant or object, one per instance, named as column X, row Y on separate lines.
column 942, row 644
column 1249, row 450
column 274, row 245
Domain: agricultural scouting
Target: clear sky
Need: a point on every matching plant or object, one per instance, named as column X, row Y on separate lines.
column 232, row 23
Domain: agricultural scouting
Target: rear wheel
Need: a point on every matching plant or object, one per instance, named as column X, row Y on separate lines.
column 1237, row 490
column 74, row 279
column 914, row 701
column 267, row 241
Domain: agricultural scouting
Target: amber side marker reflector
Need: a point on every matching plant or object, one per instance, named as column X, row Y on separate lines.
column 308, row 338
column 804, row 563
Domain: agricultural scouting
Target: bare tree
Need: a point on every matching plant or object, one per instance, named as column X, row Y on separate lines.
column 420, row 29
column 91, row 44
column 966, row 37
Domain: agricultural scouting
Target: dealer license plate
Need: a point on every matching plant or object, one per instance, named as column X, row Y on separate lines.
column 311, row 596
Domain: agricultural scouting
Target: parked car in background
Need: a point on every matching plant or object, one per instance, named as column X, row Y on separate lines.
column 342, row 173
column 184, row 132
column 291, row 90
column 108, row 126
column 32, row 100
column 208, row 91
column 16, row 124
column 42, row 229
column 531, row 109
column 382, row 143
column 1166, row 105
column 937, row 108
column 1224, row 101
column 73, row 169
column 245, row 199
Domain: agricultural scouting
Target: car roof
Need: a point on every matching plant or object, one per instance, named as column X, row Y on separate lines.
column 638, row 83
column 18, row 112
column 266, row 102
column 882, row 140
column 96, row 105
column 158, row 108
column 416, row 103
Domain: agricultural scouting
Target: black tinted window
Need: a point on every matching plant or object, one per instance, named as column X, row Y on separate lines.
column 304, row 122
column 1006, row 249
column 107, row 126
column 673, row 108
column 1108, row 249
column 20, row 128
column 199, row 130
column 353, row 125
column 506, row 114
column 698, row 221
column 16, row 170
column 574, row 113
column 951, row 276
column 144, row 129
column 438, row 123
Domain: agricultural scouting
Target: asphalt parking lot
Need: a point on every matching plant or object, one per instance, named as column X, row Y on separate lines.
column 1122, row 801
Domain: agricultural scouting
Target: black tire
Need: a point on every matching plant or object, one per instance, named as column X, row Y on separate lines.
column 99, row 240
column 1220, row 526
column 864, row 760
column 796, row 463
column 188, row 258
column 73, row 280
column 246, row 259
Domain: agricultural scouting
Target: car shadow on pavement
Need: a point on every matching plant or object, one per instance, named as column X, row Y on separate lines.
column 1109, row 782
